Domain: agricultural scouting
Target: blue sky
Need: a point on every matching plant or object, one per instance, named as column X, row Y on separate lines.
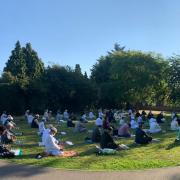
column 69, row 32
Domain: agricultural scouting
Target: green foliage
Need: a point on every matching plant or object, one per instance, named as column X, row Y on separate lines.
column 34, row 65
column 131, row 76
column 120, row 78
column 174, row 79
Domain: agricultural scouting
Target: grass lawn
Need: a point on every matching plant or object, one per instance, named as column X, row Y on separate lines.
column 162, row 154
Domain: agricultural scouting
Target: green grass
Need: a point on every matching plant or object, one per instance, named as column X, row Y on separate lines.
column 155, row 155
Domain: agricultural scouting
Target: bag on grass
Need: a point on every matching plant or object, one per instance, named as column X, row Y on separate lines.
column 5, row 153
column 105, row 151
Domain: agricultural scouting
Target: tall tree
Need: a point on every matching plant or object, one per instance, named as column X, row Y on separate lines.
column 16, row 64
column 174, row 78
column 78, row 69
column 35, row 67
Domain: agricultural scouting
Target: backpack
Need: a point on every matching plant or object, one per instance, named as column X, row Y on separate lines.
column 5, row 153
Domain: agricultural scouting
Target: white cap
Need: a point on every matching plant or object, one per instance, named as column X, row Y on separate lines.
column 99, row 122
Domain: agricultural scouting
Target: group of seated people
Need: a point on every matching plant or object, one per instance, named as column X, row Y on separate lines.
column 7, row 135
column 103, row 131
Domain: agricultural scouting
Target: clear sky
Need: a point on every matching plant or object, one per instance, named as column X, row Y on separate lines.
column 70, row 32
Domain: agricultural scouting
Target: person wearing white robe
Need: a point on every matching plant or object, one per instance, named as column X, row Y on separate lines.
column 117, row 116
column 154, row 126
column 46, row 115
column 4, row 117
column 42, row 126
column 84, row 117
column 44, row 135
column 133, row 123
column 26, row 114
column 59, row 116
column 99, row 122
column 91, row 115
column 30, row 118
column 139, row 119
column 51, row 144
column 100, row 114
column 174, row 124
column 66, row 115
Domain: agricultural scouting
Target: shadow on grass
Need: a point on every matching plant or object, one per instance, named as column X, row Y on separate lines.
column 10, row 171
column 173, row 145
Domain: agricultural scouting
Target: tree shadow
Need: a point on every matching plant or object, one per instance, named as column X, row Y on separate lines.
column 173, row 145
column 13, row 170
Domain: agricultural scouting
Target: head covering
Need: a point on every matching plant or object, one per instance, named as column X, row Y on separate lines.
column 53, row 129
column 37, row 116
column 99, row 122
column 10, row 117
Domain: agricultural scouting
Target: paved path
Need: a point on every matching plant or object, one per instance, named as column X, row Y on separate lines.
column 22, row 172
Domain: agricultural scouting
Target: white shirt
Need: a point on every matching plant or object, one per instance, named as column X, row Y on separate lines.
column 99, row 122
column 3, row 118
column 84, row 116
column 91, row 115
column 134, row 124
column 66, row 115
column 51, row 144
column 45, row 134
column 46, row 115
column 41, row 127
column 100, row 114
column 174, row 124
column 154, row 126
column 30, row 119
column 139, row 119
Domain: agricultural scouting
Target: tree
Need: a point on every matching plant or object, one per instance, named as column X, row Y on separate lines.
column 174, row 78
column 34, row 65
column 78, row 69
column 130, row 76
column 16, row 65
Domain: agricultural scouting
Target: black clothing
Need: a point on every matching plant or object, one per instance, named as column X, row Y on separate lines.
column 142, row 137
column 34, row 123
column 107, row 141
column 96, row 135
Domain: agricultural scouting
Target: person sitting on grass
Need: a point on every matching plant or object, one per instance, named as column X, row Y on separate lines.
column 106, row 123
column 42, row 126
column 65, row 115
column 96, row 134
column 2, row 129
column 91, row 115
column 133, row 123
column 9, row 120
column 35, row 122
column 26, row 114
column 59, row 116
column 150, row 114
column 80, row 127
column 30, row 118
column 141, row 137
column 70, row 123
column 178, row 138
column 46, row 133
column 46, row 114
column 99, row 121
column 3, row 117
column 123, row 130
column 8, row 136
column 54, row 148
column 160, row 118
column 154, row 126
column 107, row 140
column 174, row 124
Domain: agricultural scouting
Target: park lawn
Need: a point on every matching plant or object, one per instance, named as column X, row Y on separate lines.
column 155, row 155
